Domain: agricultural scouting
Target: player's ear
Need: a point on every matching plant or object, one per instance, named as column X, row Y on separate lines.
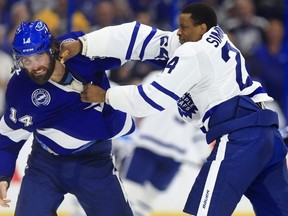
column 203, row 28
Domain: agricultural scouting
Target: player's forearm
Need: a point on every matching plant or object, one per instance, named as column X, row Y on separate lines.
column 129, row 99
column 110, row 41
column 7, row 165
column 129, row 41
column 124, row 98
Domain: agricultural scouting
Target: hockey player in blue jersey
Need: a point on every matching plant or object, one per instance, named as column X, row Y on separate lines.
column 207, row 78
column 71, row 150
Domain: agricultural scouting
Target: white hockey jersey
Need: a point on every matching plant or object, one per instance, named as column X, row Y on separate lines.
column 198, row 76
column 166, row 134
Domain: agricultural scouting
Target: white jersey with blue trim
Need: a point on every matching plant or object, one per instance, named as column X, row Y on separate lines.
column 166, row 134
column 131, row 41
column 198, row 76
column 55, row 114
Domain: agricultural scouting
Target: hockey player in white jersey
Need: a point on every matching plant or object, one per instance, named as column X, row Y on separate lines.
column 207, row 78
column 161, row 144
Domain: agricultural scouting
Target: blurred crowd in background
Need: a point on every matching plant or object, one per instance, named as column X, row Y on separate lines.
column 255, row 26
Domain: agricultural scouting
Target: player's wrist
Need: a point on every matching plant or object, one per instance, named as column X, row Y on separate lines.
column 83, row 44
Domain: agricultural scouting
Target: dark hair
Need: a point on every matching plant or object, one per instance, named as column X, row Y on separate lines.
column 55, row 48
column 201, row 13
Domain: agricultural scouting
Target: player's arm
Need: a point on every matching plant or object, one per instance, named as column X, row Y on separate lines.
column 129, row 41
column 180, row 74
column 11, row 141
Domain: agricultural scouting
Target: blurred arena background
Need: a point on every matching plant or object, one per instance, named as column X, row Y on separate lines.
column 257, row 27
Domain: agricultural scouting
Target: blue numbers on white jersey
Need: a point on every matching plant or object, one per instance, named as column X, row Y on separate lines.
column 163, row 55
column 225, row 56
column 172, row 64
column 26, row 120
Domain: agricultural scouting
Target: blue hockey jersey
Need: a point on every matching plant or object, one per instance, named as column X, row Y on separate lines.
column 55, row 114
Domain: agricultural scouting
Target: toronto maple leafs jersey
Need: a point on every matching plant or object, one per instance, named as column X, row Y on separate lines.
column 166, row 134
column 198, row 76
column 55, row 115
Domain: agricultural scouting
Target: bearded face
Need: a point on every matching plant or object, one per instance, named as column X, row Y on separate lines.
column 39, row 67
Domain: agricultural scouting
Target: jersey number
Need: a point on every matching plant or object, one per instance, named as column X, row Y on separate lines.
column 172, row 64
column 26, row 120
column 225, row 56
column 163, row 55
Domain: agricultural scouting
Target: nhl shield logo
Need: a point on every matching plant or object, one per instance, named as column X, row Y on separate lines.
column 40, row 97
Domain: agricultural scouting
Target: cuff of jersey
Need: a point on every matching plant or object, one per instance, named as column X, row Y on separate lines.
column 83, row 41
column 5, row 178
column 107, row 97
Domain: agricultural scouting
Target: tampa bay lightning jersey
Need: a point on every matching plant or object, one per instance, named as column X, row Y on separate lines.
column 198, row 76
column 56, row 116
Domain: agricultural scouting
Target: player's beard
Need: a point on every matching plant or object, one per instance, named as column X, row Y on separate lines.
column 181, row 40
column 42, row 79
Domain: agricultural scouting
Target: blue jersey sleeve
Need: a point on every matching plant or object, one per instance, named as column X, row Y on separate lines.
column 11, row 142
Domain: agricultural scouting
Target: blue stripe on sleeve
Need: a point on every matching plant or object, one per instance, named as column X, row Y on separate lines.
column 147, row 40
column 132, row 41
column 148, row 100
column 165, row 91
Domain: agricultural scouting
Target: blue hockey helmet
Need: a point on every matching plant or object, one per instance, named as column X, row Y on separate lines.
column 31, row 38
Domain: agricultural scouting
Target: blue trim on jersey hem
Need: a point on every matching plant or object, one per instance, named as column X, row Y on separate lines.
column 148, row 100
column 132, row 41
column 259, row 90
column 165, row 91
column 207, row 115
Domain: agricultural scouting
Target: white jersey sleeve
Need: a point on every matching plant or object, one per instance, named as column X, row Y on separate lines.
column 166, row 134
column 163, row 92
column 199, row 76
column 130, row 41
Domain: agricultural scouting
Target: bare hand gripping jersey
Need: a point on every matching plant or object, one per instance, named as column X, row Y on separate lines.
column 55, row 114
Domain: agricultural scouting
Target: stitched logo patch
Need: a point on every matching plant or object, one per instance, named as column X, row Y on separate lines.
column 40, row 97
column 186, row 106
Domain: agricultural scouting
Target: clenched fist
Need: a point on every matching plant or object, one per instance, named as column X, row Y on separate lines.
column 93, row 94
column 69, row 49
